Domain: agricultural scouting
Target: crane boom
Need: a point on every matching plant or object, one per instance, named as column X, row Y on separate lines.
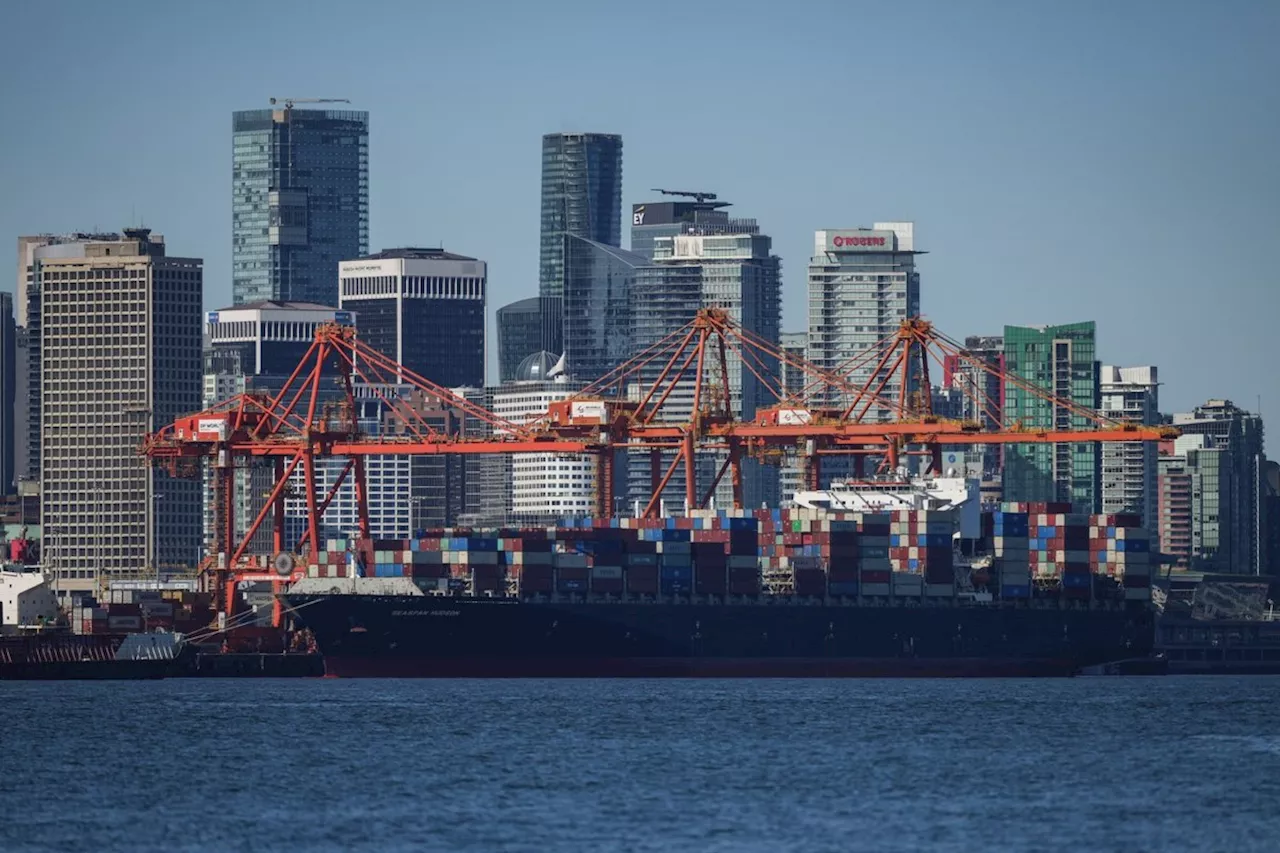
column 695, row 195
column 289, row 102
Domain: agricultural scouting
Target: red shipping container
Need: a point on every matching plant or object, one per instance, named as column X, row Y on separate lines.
column 744, row 582
column 943, row 574
column 710, row 579
column 484, row 584
column 809, row 582
column 437, row 570
column 572, row 573
column 642, row 580
column 606, row 586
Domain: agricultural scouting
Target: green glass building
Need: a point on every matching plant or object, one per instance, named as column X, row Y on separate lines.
column 1060, row 360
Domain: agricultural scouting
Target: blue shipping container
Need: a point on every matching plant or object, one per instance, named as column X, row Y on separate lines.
column 843, row 587
column 1015, row 592
column 676, row 573
column 1077, row 580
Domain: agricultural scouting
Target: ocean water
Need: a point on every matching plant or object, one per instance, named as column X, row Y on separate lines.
column 1097, row 764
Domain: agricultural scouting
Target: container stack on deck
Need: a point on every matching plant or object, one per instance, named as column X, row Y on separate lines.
column 175, row 606
column 1120, row 548
column 1010, row 550
column 1036, row 549
column 920, row 544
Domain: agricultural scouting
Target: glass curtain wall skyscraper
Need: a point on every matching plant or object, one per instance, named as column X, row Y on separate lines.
column 519, row 327
column 1059, row 360
column 581, row 197
column 596, row 309
column 735, row 272
column 299, row 202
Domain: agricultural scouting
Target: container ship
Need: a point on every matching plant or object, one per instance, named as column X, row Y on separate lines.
column 1034, row 590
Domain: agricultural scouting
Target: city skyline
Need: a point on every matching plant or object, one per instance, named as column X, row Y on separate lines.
column 1003, row 203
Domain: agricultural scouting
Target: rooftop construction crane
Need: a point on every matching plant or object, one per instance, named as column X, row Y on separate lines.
column 699, row 197
column 289, row 102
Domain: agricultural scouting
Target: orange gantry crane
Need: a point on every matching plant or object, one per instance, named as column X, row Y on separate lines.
column 675, row 399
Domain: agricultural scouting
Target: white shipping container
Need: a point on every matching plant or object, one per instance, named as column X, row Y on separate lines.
column 794, row 417
column 571, row 561
column 607, row 572
column 587, row 409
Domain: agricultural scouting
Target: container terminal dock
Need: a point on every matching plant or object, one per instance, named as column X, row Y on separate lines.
column 885, row 572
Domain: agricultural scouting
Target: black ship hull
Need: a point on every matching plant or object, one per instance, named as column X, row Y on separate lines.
column 427, row 636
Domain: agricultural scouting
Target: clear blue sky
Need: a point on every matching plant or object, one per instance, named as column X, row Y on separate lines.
column 1117, row 161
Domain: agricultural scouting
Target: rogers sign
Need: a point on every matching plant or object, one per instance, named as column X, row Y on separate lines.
column 841, row 242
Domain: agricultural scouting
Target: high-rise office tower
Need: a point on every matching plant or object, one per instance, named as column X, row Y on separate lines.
column 1130, row 395
column 794, row 384
column 596, row 307
column 581, row 197
column 545, row 487
column 26, row 269
column 734, row 272
column 121, row 357
column 424, row 308
column 703, row 215
column 519, row 328
column 862, row 284
column 1059, row 360
column 8, row 388
column 1240, row 511
column 32, row 252
column 1173, row 507
column 978, row 379
column 299, row 202
column 22, row 415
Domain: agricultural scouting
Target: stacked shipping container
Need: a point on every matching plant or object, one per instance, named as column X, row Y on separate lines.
column 904, row 554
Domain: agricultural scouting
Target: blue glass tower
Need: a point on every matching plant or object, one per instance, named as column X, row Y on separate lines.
column 581, row 197
column 300, row 202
